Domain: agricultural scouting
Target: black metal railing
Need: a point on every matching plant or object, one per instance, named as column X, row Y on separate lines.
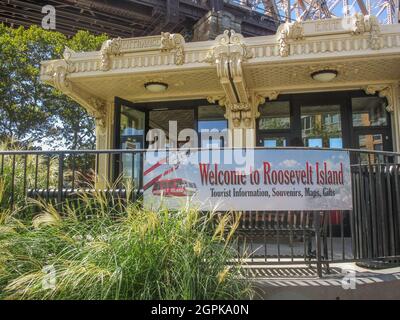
column 370, row 232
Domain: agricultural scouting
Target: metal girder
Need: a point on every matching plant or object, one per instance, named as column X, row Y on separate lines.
column 386, row 10
column 129, row 17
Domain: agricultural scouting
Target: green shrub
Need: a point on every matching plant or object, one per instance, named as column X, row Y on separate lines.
column 24, row 175
column 99, row 250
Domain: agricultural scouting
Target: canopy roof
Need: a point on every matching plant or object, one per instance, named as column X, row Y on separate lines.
column 233, row 69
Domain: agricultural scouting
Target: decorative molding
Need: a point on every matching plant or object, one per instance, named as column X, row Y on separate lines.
column 286, row 32
column 95, row 106
column 271, row 95
column 166, row 42
column 384, row 91
column 59, row 72
column 261, row 96
column 219, row 56
column 221, row 100
column 257, row 100
column 228, row 55
column 175, row 42
column 99, row 112
column 67, row 54
column 369, row 24
column 238, row 53
column 109, row 48
column 241, row 112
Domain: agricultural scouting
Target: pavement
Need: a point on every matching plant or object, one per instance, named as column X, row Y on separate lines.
column 344, row 281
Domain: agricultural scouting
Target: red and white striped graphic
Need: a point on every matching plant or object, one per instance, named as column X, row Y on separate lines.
column 157, row 178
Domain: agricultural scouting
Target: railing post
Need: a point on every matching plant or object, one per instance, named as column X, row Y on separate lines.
column 317, row 227
column 60, row 177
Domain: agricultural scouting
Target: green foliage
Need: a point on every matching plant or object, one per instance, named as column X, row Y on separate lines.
column 31, row 111
column 103, row 250
column 23, row 168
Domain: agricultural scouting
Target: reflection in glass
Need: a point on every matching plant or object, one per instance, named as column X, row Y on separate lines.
column 373, row 142
column 274, row 115
column 321, row 126
column 132, row 124
column 274, row 142
column 160, row 119
column 212, row 127
column 369, row 111
column 336, row 143
column 315, row 143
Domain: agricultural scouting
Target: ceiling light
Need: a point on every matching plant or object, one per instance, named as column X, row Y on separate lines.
column 156, row 87
column 324, row 75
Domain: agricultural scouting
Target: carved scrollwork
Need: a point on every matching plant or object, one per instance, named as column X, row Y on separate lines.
column 221, row 100
column 175, row 42
column 286, row 32
column 271, row 95
column 59, row 75
column 369, row 24
column 99, row 112
column 67, row 54
column 109, row 48
column 228, row 54
column 241, row 111
column 384, row 91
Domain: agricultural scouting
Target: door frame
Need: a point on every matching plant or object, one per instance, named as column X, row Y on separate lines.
column 324, row 98
column 146, row 107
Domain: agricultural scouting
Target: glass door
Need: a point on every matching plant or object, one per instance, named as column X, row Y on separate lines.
column 275, row 125
column 130, row 135
column 321, row 126
column 371, row 126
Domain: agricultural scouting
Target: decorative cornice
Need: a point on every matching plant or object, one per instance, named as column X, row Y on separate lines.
column 384, row 91
column 67, row 54
column 166, row 42
column 369, row 24
column 109, row 48
column 286, row 32
column 175, row 42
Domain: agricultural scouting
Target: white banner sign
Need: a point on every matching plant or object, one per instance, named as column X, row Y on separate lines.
column 257, row 179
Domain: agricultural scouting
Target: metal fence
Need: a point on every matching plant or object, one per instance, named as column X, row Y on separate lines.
column 370, row 232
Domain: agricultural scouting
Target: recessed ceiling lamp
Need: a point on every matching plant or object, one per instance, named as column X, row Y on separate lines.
column 324, row 75
column 156, row 87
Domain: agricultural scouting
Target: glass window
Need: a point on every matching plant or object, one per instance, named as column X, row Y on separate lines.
column 132, row 122
column 373, row 142
column 336, row 143
column 315, row 143
column 274, row 115
column 321, row 126
column 369, row 111
column 274, row 142
column 132, row 137
column 212, row 126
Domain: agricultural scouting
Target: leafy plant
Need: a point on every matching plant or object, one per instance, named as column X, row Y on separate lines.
column 112, row 249
column 31, row 111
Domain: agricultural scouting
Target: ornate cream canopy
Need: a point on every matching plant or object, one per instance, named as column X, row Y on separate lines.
column 238, row 73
